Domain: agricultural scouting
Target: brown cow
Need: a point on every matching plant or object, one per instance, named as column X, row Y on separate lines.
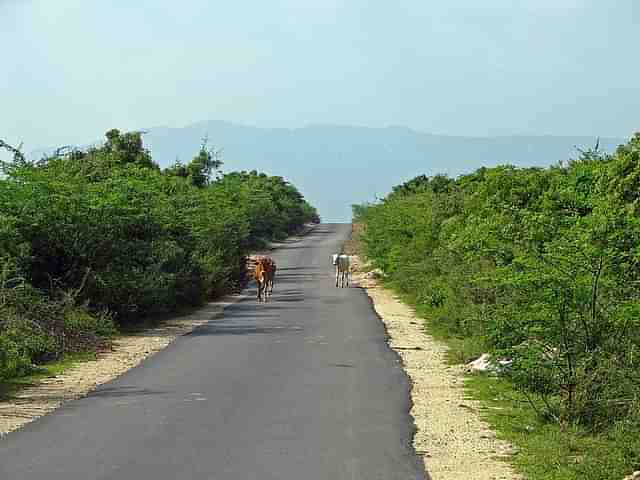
column 264, row 274
column 260, row 275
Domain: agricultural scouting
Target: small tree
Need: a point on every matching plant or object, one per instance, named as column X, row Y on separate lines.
column 18, row 157
column 128, row 148
column 204, row 165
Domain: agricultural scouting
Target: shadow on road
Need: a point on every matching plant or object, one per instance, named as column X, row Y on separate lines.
column 246, row 329
column 124, row 391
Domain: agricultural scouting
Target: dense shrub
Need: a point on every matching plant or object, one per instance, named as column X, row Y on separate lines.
column 541, row 266
column 94, row 236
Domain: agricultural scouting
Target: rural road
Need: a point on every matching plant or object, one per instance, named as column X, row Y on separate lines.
column 302, row 388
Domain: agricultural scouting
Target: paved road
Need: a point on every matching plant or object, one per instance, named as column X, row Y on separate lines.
column 302, row 388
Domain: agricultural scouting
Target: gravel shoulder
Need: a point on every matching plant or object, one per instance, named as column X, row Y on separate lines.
column 451, row 437
column 127, row 351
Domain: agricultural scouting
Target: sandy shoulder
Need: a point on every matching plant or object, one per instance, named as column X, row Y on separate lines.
column 451, row 437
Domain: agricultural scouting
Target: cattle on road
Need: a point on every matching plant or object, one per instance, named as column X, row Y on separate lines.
column 343, row 269
column 271, row 275
column 264, row 275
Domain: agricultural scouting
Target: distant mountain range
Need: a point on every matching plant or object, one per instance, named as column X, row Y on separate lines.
column 337, row 166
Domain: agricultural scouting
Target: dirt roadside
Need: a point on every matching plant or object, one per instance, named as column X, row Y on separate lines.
column 127, row 351
column 451, row 437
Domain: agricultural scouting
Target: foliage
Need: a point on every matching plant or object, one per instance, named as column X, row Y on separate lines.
column 201, row 168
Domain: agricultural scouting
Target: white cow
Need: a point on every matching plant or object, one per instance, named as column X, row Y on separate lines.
column 343, row 269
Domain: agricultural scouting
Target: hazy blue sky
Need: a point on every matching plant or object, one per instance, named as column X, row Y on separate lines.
column 71, row 69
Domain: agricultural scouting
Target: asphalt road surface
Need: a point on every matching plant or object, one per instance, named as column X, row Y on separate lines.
column 301, row 388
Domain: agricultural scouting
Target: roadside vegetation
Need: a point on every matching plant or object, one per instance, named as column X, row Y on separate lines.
column 94, row 240
column 541, row 269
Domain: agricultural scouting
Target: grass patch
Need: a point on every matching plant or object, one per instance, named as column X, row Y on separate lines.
column 10, row 387
column 545, row 451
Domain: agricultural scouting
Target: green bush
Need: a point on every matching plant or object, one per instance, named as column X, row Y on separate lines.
column 82, row 329
column 540, row 266
column 14, row 360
